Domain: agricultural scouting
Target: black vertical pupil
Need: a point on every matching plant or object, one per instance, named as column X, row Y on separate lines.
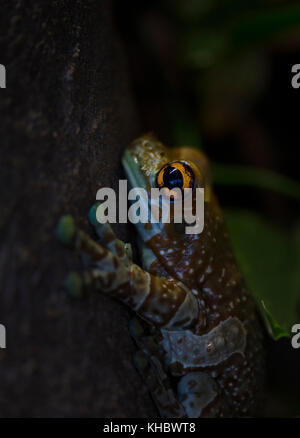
column 172, row 178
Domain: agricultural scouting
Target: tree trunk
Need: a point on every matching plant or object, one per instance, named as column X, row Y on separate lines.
column 66, row 115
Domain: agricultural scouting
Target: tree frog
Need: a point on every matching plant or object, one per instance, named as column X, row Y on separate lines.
column 199, row 340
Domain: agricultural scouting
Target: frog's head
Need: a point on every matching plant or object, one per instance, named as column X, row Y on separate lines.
column 149, row 164
column 146, row 156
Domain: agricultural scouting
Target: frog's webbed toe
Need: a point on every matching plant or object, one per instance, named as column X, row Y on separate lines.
column 108, row 237
column 158, row 385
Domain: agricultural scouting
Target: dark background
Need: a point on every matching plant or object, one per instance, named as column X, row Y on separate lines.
column 83, row 79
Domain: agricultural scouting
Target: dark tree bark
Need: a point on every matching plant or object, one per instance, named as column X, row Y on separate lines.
column 66, row 115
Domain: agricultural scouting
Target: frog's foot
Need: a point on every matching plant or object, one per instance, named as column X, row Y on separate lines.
column 200, row 395
column 151, row 370
column 164, row 302
column 159, row 386
column 110, row 268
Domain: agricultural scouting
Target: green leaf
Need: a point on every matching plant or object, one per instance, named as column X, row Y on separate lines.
column 260, row 178
column 262, row 25
column 270, row 262
column 234, row 31
column 203, row 48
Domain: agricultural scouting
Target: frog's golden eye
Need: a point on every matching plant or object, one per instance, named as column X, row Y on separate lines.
column 176, row 174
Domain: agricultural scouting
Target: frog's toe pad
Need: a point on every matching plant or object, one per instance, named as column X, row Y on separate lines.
column 74, row 285
column 93, row 214
column 66, row 229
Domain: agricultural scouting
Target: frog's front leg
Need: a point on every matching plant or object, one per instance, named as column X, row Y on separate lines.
column 164, row 302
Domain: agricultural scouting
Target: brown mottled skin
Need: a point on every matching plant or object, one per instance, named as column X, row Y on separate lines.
column 199, row 337
column 221, row 292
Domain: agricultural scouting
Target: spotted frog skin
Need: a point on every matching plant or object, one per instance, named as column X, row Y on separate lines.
column 195, row 325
